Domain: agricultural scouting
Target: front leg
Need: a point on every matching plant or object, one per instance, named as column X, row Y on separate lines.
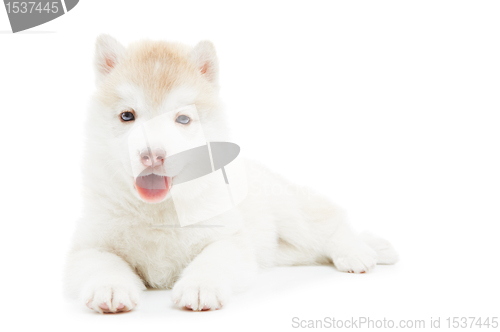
column 223, row 267
column 102, row 280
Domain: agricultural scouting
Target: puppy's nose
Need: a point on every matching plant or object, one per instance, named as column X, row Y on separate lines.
column 153, row 157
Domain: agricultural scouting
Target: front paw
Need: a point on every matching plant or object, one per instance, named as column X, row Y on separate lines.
column 200, row 293
column 111, row 298
column 355, row 259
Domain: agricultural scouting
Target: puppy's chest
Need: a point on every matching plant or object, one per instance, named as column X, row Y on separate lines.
column 158, row 256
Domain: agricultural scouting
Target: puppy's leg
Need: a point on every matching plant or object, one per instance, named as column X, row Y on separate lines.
column 386, row 254
column 102, row 280
column 222, row 267
column 326, row 240
column 316, row 231
column 349, row 253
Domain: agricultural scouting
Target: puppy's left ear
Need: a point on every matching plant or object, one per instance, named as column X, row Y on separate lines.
column 205, row 58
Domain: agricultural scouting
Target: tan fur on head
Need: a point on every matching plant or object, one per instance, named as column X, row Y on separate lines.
column 156, row 66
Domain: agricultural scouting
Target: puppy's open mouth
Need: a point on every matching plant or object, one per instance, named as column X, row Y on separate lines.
column 153, row 188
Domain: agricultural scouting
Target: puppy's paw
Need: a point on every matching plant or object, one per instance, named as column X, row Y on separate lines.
column 111, row 298
column 355, row 259
column 200, row 293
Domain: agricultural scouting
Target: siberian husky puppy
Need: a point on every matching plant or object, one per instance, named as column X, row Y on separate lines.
column 119, row 246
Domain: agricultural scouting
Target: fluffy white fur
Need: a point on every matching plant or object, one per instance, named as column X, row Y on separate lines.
column 116, row 251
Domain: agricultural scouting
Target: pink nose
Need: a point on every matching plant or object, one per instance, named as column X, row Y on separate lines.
column 153, row 157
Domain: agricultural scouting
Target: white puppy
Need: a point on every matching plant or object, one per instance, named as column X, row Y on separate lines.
column 119, row 245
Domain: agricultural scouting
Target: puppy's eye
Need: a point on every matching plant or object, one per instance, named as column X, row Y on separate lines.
column 183, row 119
column 127, row 116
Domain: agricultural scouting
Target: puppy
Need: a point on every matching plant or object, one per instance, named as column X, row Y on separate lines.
column 130, row 238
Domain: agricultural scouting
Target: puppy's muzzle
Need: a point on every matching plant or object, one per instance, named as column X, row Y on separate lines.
column 153, row 157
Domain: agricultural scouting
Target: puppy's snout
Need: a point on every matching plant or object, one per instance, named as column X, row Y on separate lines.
column 153, row 157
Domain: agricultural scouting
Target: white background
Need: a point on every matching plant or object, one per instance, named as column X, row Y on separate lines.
column 389, row 107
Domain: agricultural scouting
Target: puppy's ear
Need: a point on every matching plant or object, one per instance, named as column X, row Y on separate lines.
column 205, row 58
column 107, row 54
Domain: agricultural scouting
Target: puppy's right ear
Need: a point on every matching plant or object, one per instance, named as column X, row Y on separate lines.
column 107, row 55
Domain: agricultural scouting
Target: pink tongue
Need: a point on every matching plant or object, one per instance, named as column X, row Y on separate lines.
column 153, row 188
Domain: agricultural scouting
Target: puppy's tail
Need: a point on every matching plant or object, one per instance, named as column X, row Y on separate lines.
column 386, row 253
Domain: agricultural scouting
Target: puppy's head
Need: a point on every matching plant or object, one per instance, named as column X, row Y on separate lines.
column 154, row 99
